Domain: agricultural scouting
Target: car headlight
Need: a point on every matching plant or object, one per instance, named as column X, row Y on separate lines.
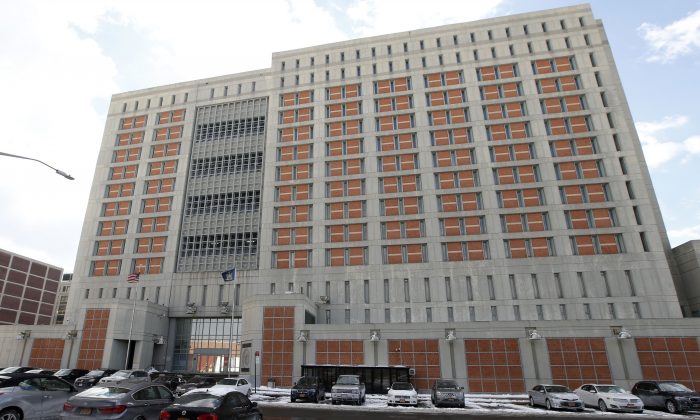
column 355, row 391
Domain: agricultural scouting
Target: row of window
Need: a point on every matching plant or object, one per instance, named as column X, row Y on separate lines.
column 231, row 202
column 228, row 164
column 153, row 186
column 230, row 129
column 141, row 246
column 241, row 243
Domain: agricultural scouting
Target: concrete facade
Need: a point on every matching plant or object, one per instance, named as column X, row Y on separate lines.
column 475, row 181
column 687, row 258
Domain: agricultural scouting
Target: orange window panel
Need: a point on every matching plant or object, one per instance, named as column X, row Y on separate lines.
column 487, row 73
column 563, row 64
column 393, row 230
column 335, row 188
column 498, row 132
column 383, row 86
column 354, row 187
column 172, row 149
column 288, row 99
column 507, row 71
column 531, row 197
column 472, row 225
column 568, row 83
column 494, row 112
column 391, row 207
column 517, row 248
column 446, row 180
column 454, row 251
column 169, row 166
column 287, row 117
column 409, row 183
column 436, row 98
column 543, row 66
column 466, row 179
column 455, row 96
column 548, row 86
column 490, row 92
column 386, row 123
column 126, row 123
column 303, row 171
column 608, row 244
column 514, row 109
column 355, row 209
column 352, row 127
column 304, row 133
column 552, row 106
column 584, row 146
column 573, row 194
column 353, row 146
column 452, row 78
column 158, row 244
column 536, row 222
column 579, row 125
column 404, row 121
column 401, row 84
column 123, row 139
column 602, row 218
column 155, row 265
column 354, row 166
column 336, row 211
column 352, row 91
column 470, row 201
column 475, row 251
column 458, row 116
column 286, row 153
column 175, row 132
column 282, row 259
column 284, row 214
column 335, row 168
column 460, row 135
column 301, row 259
column 522, row 151
column 356, row 256
column 443, row 158
column 390, row 184
column 567, row 170
column 102, row 248
column 584, row 245
column 303, row 151
column 563, row 148
column 403, row 102
column 337, row 257
column 336, row 233
column 434, row 80
column 163, row 117
column 407, row 162
column 413, row 229
column 596, row 193
column 578, row 219
column 286, row 134
column 449, row 202
column 143, row 245
column 509, row 198
column 149, row 205
column 386, row 143
column 352, row 108
column 284, row 193
column 452, row 227
column 394, row 255
column 384, row 105
column 590, row 169
column 161, row 224
column 557, row 126
column 305, row 97
column 303, row 213
column 283, row 236
column 335, row 148
column 303, row 191
column 414, row 253
column 505, row 175
column 513, row 223
column 139, row 121
column 540, row 247
column 335, row 93
column 510, row 90
column 441, row 137
column 573, row 103
column 301, row 235
column 439, row 117
column 304, row 114
column 356, row 232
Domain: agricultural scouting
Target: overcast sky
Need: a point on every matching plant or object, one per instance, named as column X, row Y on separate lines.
column 60, row 61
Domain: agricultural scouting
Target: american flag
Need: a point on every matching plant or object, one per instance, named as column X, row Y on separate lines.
column 133, row 278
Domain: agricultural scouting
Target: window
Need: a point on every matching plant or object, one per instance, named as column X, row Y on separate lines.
column 408, row 315
column 492, row 291
column 328, row 290
column 290, row 286
column 630, row 283
column 540, row 312
column 606, row 283
column 450, row 314
column 366, row 291
column 470, row 290
column 587, row 311
column 347, row 292
column 562, row 311
column 429, row 314
column 637, row 312
column 582, row 284
column 472, row 313
column 387, row 315
column 328, row 316
column 406, row 290
column 367, row 317
column 557, row 284
column 494, row 313
column 347, row 316
column 448, row 289
column 516, row 312
column 272, row 288
column 535, row 286
column 611, row 311
column 308, row 289
column 426, row 286
column 386, row 290
column 513, row 288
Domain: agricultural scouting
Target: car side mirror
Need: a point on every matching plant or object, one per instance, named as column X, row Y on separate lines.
column 541, row 391
column 593, row 391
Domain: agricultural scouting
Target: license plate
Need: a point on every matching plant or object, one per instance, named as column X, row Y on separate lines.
column 85, row 411
column 402, row 400
column 301, row 394
column 182, row 418
column 631, row 405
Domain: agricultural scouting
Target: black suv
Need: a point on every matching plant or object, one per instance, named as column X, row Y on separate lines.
column 195, row 382
column 92, row 378
column 673, row 396
column 70, row 375
column 308, row 388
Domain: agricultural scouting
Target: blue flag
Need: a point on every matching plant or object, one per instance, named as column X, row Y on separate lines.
column 229, row 275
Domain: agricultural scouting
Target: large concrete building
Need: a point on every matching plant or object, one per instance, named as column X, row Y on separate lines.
column 424, row 199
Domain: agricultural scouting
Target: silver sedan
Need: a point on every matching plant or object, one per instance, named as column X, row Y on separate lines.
column 127, row 400
column 555, row 396
column 31, row 396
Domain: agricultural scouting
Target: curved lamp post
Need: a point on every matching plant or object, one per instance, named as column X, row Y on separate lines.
column 58, row 171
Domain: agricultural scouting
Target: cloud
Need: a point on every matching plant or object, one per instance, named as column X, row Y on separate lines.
column 683, row 235
column 375, row 17
column 658, row 151
column 679, row 38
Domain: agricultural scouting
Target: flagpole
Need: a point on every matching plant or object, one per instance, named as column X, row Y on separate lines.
column 230, row 332
column 131, row 327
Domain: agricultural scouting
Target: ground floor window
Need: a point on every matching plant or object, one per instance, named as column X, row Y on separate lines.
column 202, row 345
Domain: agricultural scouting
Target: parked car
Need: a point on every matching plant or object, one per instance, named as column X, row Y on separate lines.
column 447, row 392
column 170, row 380
column 555, row 396
column 205, row 406
column 308, row 388
column 126, row 400
column 195, row 382
column 31, row 396
column 15, row 369
column 402, row 393
column 41, row 371
column 225, row 386
column 348, row 388
column 609, row 397
column 92, row 378
column 673, row 396
column 70, row 375
column 119, row 376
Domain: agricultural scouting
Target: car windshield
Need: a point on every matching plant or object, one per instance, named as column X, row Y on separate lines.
column 62, row 372
column 402, row 386
column 611, row 389
column 104, row 392
column 348, row 380
column 122, row 373
column 164, row 379
column 306, row 381
column 228, row 381
column 673, row 387
column 446, row 385
column 95, row 373
column 557, row 388
column 199, row 400
column 11, row 369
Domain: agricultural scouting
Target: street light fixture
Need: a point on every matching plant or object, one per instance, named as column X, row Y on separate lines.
column 58, row 171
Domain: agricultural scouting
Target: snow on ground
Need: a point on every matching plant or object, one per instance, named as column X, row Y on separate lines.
column 495, row 404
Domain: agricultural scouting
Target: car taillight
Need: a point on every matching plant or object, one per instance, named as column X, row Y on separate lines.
column 164, row 415
column 207, row 416
column 115, row 409
column 67, row 406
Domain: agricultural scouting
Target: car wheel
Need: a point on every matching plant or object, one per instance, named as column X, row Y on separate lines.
column 602, row 406
column 532, row 402
column 548, row 404
column 671, row 407
column 10, row 414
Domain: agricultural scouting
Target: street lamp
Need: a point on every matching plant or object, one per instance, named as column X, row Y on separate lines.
column 58, row 171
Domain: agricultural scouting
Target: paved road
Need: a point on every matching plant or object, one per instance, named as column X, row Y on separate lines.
column 300, row 412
